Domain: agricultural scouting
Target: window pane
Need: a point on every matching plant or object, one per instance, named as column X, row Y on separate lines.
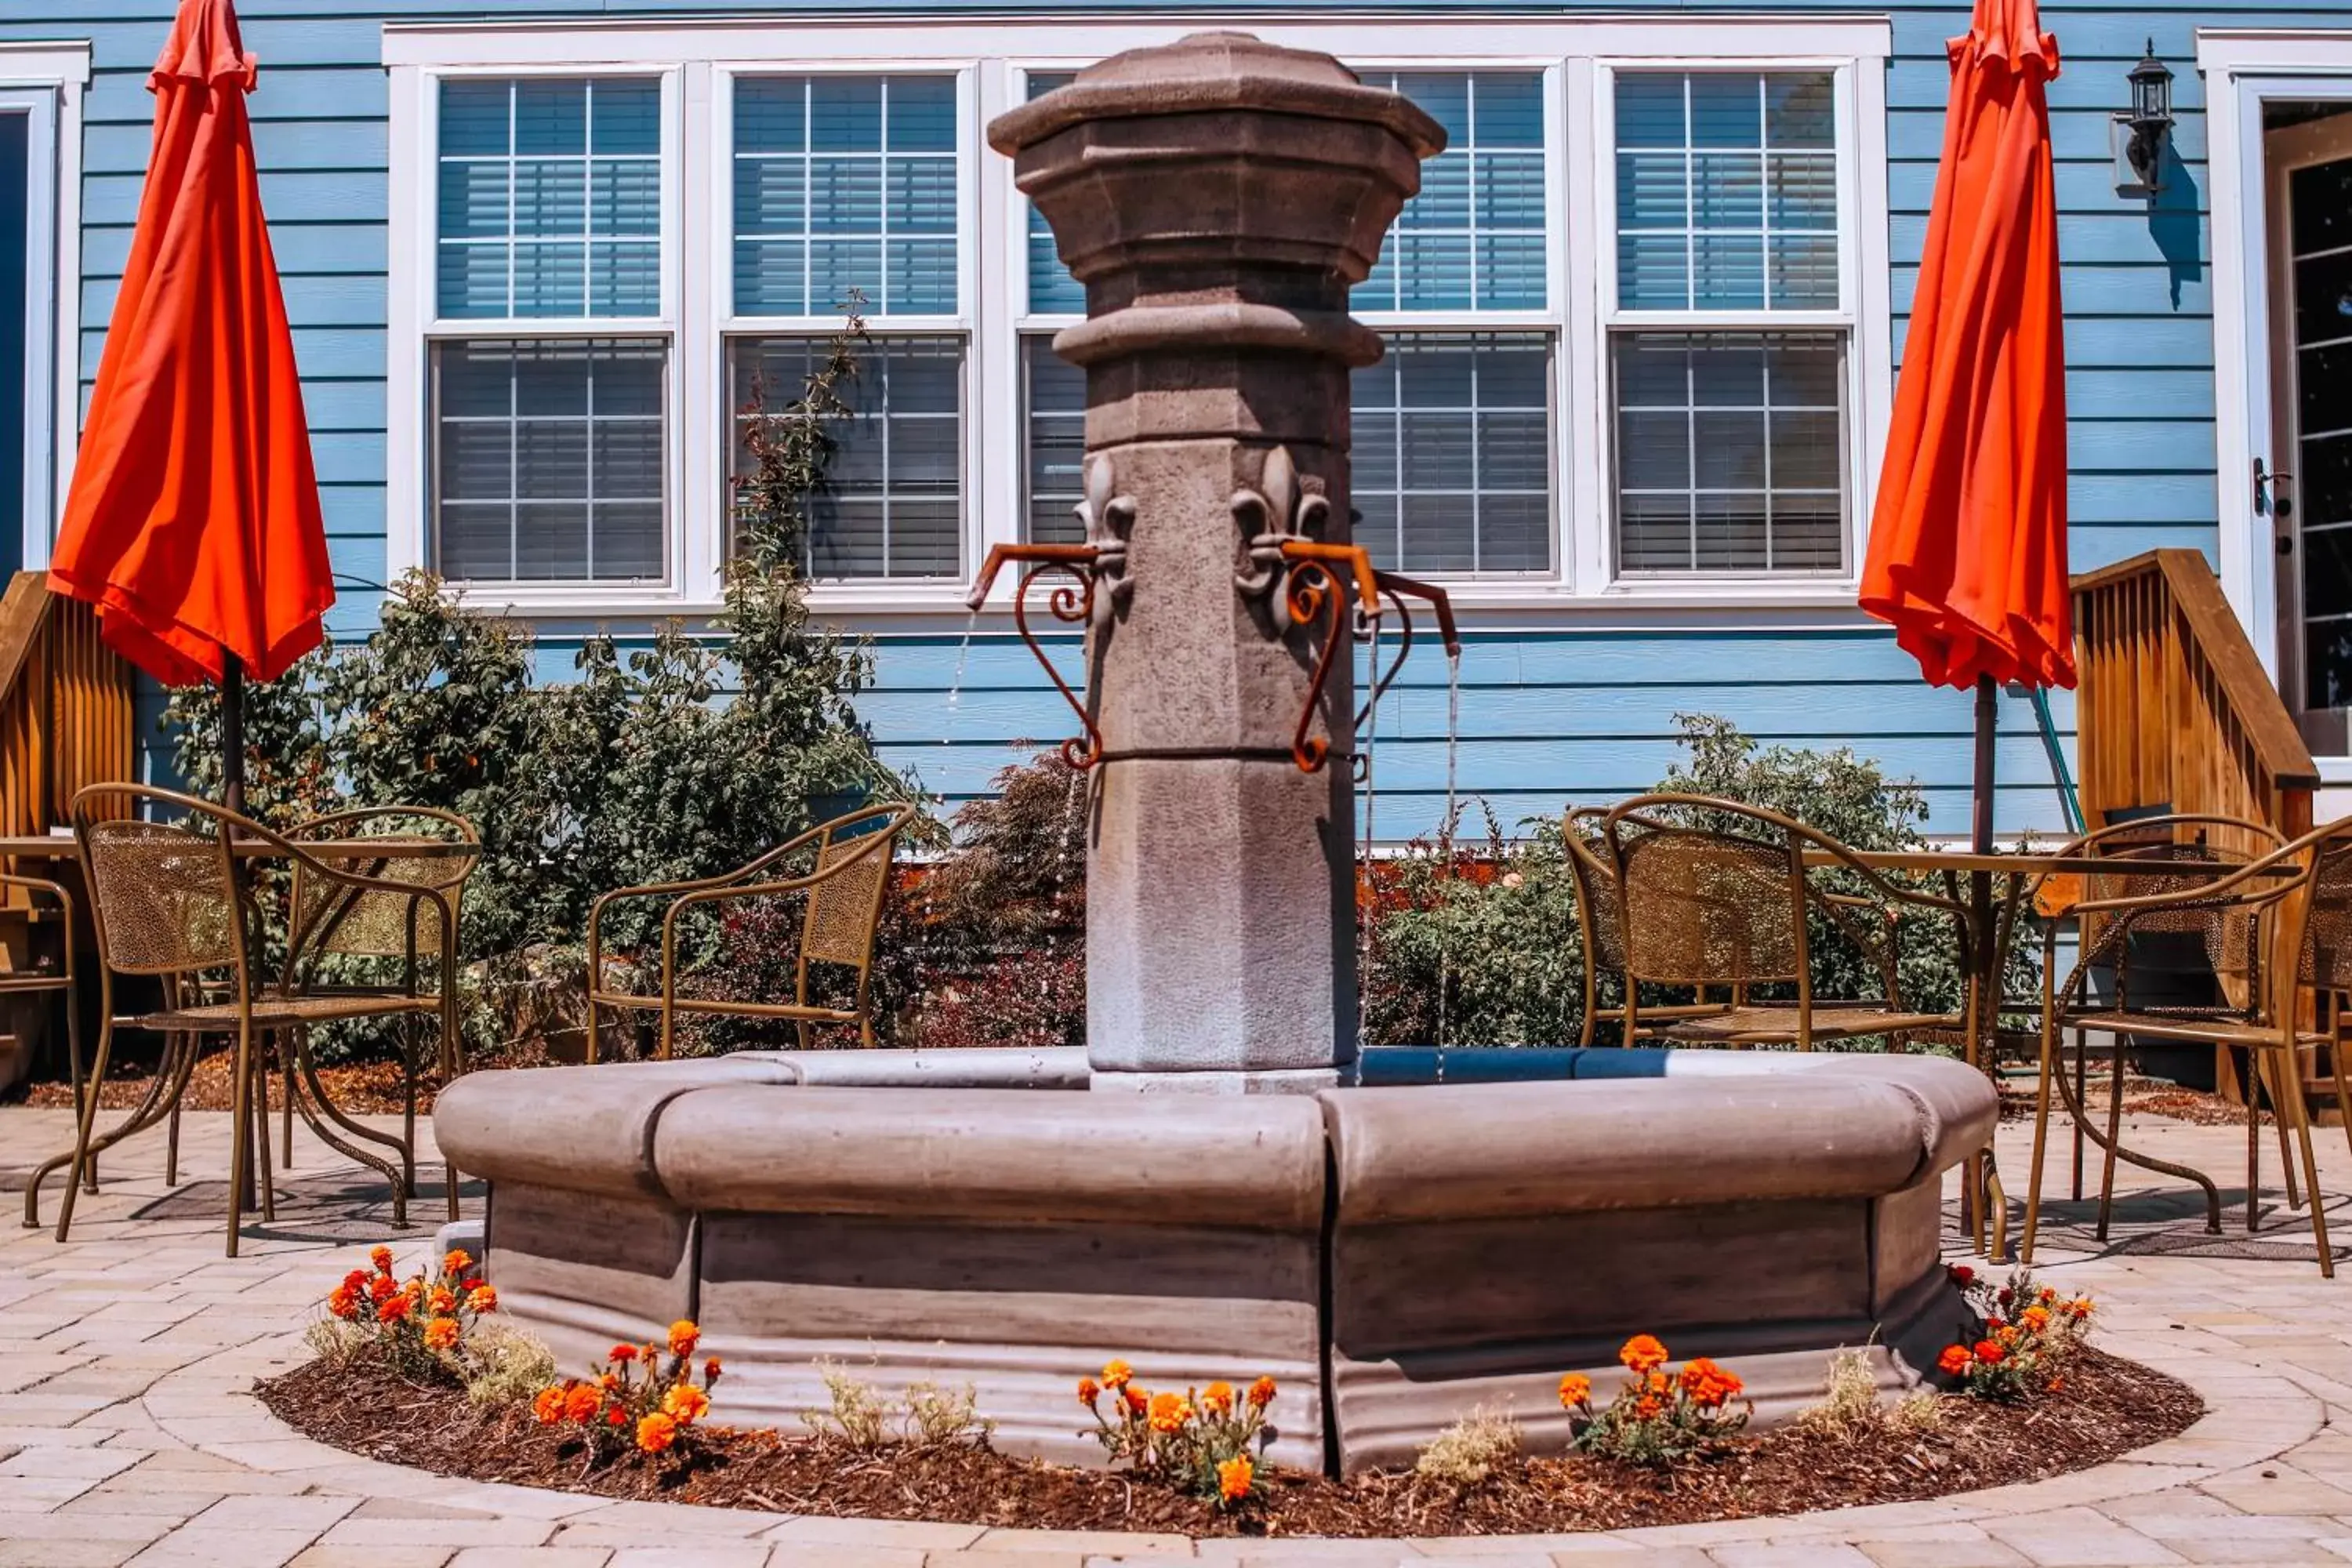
column 1054, row 394
column 1731, row 451
column 843, row 183
column 892, row 503
column 549, row 460
column 536, row 174
column 1451, row 463
column 1726, row 191
column 1052, row 290
column 1474, row 238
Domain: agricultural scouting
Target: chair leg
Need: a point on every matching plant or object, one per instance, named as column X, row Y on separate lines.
column 2253, row 1083
column 2335, row 1066
column 2301, row 1112
column 2115, row 1130
column 2041, row 1141
column 81, row 1085
column 266, row 1190
column 75, row 1173
column 409, row 1049
column 2082, row 1098
column 240, row 1122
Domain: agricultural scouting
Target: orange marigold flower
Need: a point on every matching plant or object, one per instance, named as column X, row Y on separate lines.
column 549, row 1406
column 616, row 1416
column 1261, row 1393
column 1709, row 1385
column 2049, row 1294
column 441, row 1333
column 457, row 1260
column 1643, row 1353
column 444, row 1301
column 343, row 1303
column 1217, row 1399
column 382, row 1289
column 1657, row 1382
column 1138, row 1400
column 683, row 1337
column 394, row 1308
column 710, row 1370
column 581, row 1403
column 622, row 1352
column 1233, row 1478
column 1954, row 1360
column 1116, row 1374
column 357, row 1279
column 1649, row 1407
column 609, row 1380
column 656, row 1432
column 1170, row 1412
column 2035, row 1319
column 1088, row 1392
column 2079, row 1308
column 382, row 1258
column 2009, row 1334
column 481, row 1298
column 685, row 1404
column 1575, row 1389
column 1992, row 1352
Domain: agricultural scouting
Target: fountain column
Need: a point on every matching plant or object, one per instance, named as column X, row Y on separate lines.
column 1217, row 198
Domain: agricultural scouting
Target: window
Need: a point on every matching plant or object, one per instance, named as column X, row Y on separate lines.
column 548, row 453
column 1731, row 445
column 1636, row 317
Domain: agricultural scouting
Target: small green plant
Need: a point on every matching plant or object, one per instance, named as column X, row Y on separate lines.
column 509, row 1366
column 926, row 1415
column 941, row 1417
column 1850, row 1406
column 1659, row 1417
column 856, row 1413
column 1209, row 1442
column 2029, row 1332
column 638, row 1400
column 1471, row 1450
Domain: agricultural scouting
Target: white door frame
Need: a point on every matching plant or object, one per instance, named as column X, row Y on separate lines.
column 45, row 81
column 2243, row 66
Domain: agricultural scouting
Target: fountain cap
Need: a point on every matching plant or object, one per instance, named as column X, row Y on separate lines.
column 1203, row 73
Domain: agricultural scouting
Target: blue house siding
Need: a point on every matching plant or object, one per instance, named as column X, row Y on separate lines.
column 1552, row 709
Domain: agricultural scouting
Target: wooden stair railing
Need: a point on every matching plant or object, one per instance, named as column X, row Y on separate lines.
column 65, row 707
column 2175, row 712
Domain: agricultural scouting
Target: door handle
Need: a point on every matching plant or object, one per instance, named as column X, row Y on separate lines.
column 2269, row 497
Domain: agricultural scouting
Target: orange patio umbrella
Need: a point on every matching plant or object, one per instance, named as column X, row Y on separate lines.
column 1967, row 546
column 193, row 525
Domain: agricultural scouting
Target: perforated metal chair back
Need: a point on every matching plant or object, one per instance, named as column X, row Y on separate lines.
column 1708, row 906
column 163, row 895
column 1602, row 911
column 370, row 923
column 2326, row 957
column 844, row 907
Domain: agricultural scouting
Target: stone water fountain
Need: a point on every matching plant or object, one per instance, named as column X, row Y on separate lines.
column 1397, row 1238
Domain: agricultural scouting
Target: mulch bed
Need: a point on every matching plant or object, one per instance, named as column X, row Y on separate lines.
column 2108, row 1407
column 367, row 1088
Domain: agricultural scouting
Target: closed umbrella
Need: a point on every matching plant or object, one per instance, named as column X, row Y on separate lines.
column 193, row 525
column 1967, row 546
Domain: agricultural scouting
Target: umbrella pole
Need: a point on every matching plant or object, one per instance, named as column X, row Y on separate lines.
column 1985, row 981
column 233, row 732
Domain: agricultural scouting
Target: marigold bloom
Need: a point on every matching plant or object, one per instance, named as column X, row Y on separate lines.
column 382, row 1289
column 444, row 1301
column 1261, row 1393
column 1657, row 1382
column 1116, row 1374
column 1643, row 1353
column 1217, row 1399
column 2035, row 1319
column 685, row 1404
column 457, row 1260
column 683, row 1337
column 441, row 1333
column 1233, row 1478
column 2009, row 1335
column 2006, row 1296
column 2079, row 1308
column 656, row 1432
column 1575, row 1389
column 616, row 1416
column 1709, row 1385
column 382, row 1258
column 622, row 1352
column 481, row 1298
column 357, row 1279
column 343, row 1303
column 1088, row 1392
column 395, row 1309
column 1138, row 1400
column 1170, row 1412
column 1992, row 1352
column 710, row 1370
column 2049, row 1294
column 581, row 1402
column 609, row 1380
column 549, row 1406
column 1954, row 1361
column 1649, row 1407
column 1963, row 1275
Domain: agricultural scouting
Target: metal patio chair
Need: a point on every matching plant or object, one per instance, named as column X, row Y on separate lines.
column 169, row 899
column 845, row 887
column 2295, row 898
column 1600, row 922
column 1714, row 892
column 61, row 984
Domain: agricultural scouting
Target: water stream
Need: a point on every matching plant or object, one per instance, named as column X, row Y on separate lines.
column 963, row 654
column 1445, row 837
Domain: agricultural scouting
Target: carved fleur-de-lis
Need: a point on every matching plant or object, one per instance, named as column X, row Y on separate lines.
column 1283, row 506
column 1106, row 518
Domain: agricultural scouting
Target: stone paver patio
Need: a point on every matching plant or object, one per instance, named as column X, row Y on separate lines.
column 128, row 1433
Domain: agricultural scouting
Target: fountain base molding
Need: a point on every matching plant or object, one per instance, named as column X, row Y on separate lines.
column 1393, row 1256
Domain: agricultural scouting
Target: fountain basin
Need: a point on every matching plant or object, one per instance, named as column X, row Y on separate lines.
column 1396, row 1252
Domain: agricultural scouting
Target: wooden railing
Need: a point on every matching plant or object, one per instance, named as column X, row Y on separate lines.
column 65, row 706
column 2174, row 711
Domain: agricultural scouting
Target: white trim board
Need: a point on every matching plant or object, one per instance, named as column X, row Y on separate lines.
column 47, row 81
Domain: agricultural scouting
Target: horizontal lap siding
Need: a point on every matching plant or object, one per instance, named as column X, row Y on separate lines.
column 1547, row 715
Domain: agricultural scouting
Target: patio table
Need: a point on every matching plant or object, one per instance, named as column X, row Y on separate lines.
column 1980, row 1189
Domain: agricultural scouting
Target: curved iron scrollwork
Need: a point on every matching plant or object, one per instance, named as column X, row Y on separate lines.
column 1073, row 602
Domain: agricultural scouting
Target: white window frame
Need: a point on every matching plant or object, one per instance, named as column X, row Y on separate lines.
column 45, row 82
column 991, row 61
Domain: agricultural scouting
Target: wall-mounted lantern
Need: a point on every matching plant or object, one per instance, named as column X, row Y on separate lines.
column 2139, row 132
